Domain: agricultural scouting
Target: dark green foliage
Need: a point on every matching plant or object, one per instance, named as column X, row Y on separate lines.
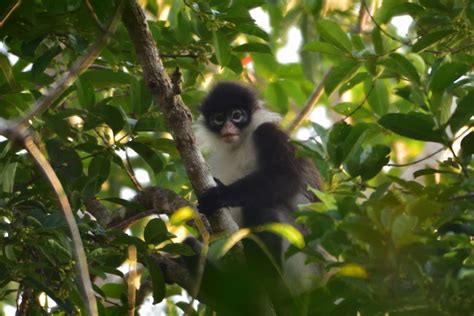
column 403, row 239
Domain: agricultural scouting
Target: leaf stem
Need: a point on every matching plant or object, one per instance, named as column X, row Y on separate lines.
column 310, row 103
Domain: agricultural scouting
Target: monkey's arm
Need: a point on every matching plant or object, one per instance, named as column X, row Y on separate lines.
column 276, row 180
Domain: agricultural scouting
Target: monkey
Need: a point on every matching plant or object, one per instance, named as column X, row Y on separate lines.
column 257, row 172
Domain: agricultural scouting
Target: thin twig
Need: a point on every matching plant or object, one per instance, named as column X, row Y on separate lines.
column 406, row 43
column 202, row 259
column 183, row 55
column 82, row 269
column 310, row 104
column 362, row 18
column 361, row 104
column 132, row 279
column 416, row 161
column 94, row 15
column 377, row 25
column 131, row 173
column 430, row 155
column 10, row 12
column 463, row 168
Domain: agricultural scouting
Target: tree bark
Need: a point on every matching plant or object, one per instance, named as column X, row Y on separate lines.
column 178, row 117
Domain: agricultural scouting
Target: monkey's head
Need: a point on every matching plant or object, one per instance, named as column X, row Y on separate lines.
column 228, row 109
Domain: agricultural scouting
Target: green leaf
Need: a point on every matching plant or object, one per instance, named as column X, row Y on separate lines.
column 352, row 163
column 8, row 177
column 445, row 75
column 166, row 145
column 64, row 160
column 91, row 187
column 183, row 31
column 403, row 228
column 140, row 96
column 221, row 46
column 151, row 123
column 467, row 144
column 320, row 131
column 158, row 281
column 463, row 113
column 35, row 284
column 178, row 249
column 28, row 47
column 148, row 154
column 235, row 64
column 106, row 77
column 377, row 96
column 112, row 117
column 339, row 74
column 287, row 231
column 126, row 203
column 337, row 135
column 99, row 167
column 276, row 97
column 373, row 160
column 253, row 47
column 327, row 199
column 405, row 67
column 254, row 30
column 6, row 69
column 155, row 231
column 221, row 246
column 353, row 270
column 323, row 48
column 434, row 4
column 345, row 108
column 358, row 78
column 114, row 290
column 413, row 125
column 44, row 60
column 377, row 41
column 430, row 171
column 85, row 93
column 124, row 239
column 181, row 216
column 355, row 138
column 428, row 40
column 424, row 207
column 332, row 32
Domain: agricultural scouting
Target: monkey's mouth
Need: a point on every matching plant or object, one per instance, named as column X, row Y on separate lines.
column 229, row 137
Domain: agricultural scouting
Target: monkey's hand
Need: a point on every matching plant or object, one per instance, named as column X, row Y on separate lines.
column 213, row 199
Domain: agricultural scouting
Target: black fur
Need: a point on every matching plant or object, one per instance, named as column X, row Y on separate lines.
column 267, row 195
column 274, row 183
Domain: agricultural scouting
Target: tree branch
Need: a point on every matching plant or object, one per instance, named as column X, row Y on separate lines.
column 158, row 201
column 310, row 104
column 177, row 115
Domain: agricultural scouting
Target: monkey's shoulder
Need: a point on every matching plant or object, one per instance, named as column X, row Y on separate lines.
column 269, row 135
column 273, row 145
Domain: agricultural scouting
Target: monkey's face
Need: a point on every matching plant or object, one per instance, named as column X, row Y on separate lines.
column 229, row 124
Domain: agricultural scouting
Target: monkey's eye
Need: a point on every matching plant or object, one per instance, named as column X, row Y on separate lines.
column 237, row 116
column 217, row 119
